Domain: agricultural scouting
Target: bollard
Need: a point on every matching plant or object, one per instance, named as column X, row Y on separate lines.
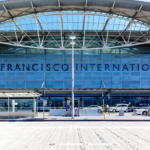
column 104, row 108
column 43, row 110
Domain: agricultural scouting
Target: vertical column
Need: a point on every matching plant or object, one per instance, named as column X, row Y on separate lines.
column 43, row 103
column 84, row 31
column 34, row 107
column 13, row 105
column 8, row 108
column 72, row 80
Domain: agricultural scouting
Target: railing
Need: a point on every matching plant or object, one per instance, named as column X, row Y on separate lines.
column 17, row 111
column 87, row 111
column 82, row 111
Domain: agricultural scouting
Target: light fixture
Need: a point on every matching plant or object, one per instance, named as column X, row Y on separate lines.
column 72, row 37
column 73, row 43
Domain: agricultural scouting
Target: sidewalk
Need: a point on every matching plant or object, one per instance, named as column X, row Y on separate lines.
column 108, row 117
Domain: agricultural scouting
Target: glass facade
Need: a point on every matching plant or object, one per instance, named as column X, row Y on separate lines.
column 58, row 100
column 20, row 105
column 117, row 68
column 114, row 67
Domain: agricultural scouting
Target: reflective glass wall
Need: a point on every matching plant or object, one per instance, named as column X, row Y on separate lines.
column 58, row 100
column 115, row 68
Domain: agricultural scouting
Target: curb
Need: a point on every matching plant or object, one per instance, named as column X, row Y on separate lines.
column 41, row 120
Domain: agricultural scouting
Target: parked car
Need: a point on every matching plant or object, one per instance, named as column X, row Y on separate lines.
column 98, row 108
column 118, row 107
column 142, row 111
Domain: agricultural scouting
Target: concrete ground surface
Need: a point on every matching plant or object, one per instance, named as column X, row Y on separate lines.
column 128, row 115
column 75, row 135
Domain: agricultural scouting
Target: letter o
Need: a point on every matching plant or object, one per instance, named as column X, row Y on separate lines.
column 145, row 69
column 63, row 67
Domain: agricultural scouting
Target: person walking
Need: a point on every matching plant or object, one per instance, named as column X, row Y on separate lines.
column 107, row 107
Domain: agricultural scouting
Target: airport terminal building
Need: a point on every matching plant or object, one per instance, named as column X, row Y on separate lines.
column 111, row 50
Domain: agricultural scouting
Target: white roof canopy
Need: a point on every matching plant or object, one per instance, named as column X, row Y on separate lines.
column 19, row 93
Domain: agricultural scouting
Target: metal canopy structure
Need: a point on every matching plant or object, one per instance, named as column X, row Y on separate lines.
column 36, row 92
column 95, row 90
column 13, row 95
column 96, row 24
column 19, row 93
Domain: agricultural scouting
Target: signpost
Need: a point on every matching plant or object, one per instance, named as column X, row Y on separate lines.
column 43, row 103
column 72, row 38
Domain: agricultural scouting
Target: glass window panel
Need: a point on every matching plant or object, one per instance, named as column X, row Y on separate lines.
column 125, row 85
column 145, row 58
column 125, row 82
column 145, row 86
column 135, row 77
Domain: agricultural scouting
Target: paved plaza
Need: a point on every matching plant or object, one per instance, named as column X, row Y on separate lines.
column 98, row 135
column 110, row 116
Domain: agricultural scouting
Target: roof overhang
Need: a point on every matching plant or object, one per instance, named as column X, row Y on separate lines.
column 121, row 7
column 19, row 93
column 36, row 92
column 137, row 15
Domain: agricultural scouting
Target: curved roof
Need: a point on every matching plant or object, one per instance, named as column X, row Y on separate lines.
column 96, row 24
column 129, row 8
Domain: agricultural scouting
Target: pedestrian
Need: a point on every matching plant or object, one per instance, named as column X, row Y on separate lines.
column 107, row 106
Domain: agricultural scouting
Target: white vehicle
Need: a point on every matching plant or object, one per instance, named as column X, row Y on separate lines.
column 142, row 111
column 96, row 107
column 118, row 107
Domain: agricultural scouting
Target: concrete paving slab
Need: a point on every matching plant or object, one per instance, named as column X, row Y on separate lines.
column 75, row 135
column 108, row 117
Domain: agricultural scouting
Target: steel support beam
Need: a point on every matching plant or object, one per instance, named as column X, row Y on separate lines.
column 83, row 33
column 59, row 6
column 37, row 17
column 61, row 32
column 5, row 37
column 84, row 20
column 132, row 19
column 15, row 24
column 61, row 25
column 12, row 18
column 108, row 17
column 142, row 36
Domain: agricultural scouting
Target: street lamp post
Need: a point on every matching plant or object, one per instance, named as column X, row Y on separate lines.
column 72, row 38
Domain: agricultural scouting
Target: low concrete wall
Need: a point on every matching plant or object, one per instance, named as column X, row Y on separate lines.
column 13, row 114
column 82, row 112
column 57, row 112
column 88, row 112
column 4, row 114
